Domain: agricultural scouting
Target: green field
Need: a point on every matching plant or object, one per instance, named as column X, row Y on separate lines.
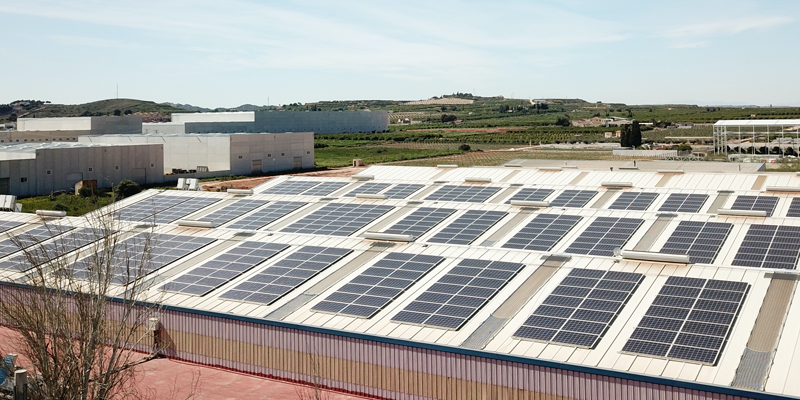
column 332, row 157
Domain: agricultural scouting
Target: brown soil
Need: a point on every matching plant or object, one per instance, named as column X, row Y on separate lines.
column 249, row 183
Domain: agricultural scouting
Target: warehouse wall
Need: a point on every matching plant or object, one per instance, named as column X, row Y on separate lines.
column 62, row 168
column 291, row 121
column 274, row 152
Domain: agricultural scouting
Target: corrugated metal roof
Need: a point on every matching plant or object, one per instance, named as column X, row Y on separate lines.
column 489, row 328
column 758, row 122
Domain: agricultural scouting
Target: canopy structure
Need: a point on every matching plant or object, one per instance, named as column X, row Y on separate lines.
column 748, row 133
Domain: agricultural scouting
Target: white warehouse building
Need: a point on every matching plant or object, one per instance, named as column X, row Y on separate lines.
column 273, row 121
column 70, row 128
column 236, row 153
column 42, row 168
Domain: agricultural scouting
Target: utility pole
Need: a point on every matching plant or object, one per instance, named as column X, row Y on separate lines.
column 118, row 91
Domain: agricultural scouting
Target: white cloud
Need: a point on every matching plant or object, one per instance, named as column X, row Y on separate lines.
column 726, row 27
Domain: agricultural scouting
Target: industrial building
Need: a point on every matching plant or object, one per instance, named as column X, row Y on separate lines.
column 34, row 169
column 225, row 154
column 503, row 282
column 68, row 129
column 273, row 121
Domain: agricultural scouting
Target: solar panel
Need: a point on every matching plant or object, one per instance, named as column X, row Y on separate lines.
column 760, row 203
column 463, row 193
column 635, row 201
column 573, row 198
column 224, row 268
column 402, row 190
column 62, row 245
column 794, row 208
column 769, row 246
column 459, row 294
column 373, row 289
column 683, row 202
column 324, row 188
column 468, row 227
column 543, row 232
column 232, row 211
column 9, row 225
column 291, row 187
column 146, row 208
column 604, row 235
column 531, row 194
column 31, row 237
column 181, row 210
column 266, row 215
column 139, row 255
column 700, row 240
column 338, row 219
column 689, row 320
column 420, row 221
column 368, row 188
column 581, row 308
column 285, row 275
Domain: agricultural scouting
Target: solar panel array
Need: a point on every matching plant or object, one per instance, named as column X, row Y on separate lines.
column 62, row 245
column 8, row 225
column 224, row 268
column 700, row 240
column 581, row 308
column 338, row 219
column 468, row 227
column 531, row 194
column 181, row 210
column 769, row 246
column 232, row 211
column 794, row 208
column 543, row 232
column 266, row 215
column 760, row 203
column 633, row 201
column 280, row 278
column 145, row 209
column 689, row 320
column 420, row 221
column 463, row 193
column 573, row 198
column 324, row 189
column 376, row 287
column 291, row 187
column 368, row 188
column 684, row 202
column 31, row 237
column 402, row 190
column 459, row 294
column 139, row 255
column 604, row 235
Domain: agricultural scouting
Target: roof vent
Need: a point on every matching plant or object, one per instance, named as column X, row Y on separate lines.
column 51, row 213
column 742, row 213
column 240, row 191
column 783, row 189
column 392, row 237
column 658, row 257
column 363, row 177
column 513, row 165
column 528, row 203
column 477, row 179
column 670, row 171
column 373, row 196
column 549, row 168
column 616, row 184
column 195, row 223
column 447, row 166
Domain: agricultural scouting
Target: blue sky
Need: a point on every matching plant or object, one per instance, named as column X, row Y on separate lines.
column 227, row 53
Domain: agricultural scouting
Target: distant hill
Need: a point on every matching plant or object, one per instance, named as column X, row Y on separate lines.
column 97, row 108
column 243, row 107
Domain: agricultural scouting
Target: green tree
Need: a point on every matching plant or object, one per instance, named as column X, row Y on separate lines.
column 635, row 134
column 625, row 136
column 117, row 113
column 126, row 188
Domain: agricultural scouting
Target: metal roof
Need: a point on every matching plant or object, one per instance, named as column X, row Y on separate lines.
column 493, row 326
column 758, row 122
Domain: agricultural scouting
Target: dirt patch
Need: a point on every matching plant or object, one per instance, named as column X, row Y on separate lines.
column 249, row 183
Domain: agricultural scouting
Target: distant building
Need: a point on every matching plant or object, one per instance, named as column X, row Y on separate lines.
column 68, row 129
column 273, row 121
column 42, row 168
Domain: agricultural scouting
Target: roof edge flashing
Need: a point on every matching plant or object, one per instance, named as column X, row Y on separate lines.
column 447, row 166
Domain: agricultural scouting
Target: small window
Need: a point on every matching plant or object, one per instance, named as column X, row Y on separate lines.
column 269, row 155
column 23, row 179
column 116, row 167
column 49, row 172
column 308, row 152
column 152, row 165
column 240, row 157
column 91, row 169
column 283, row 154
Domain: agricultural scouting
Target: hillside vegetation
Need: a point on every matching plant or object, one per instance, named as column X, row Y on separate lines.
column 40, row 109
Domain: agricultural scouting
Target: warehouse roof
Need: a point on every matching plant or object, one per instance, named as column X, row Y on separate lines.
column 758, row 122
column 667, row 273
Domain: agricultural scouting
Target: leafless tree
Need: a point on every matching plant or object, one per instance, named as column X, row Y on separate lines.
column 81, row 312
column 314, row 389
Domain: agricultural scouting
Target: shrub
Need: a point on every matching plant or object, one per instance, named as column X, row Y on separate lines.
column 88, row 191
column 464, row 147
column 126, row 188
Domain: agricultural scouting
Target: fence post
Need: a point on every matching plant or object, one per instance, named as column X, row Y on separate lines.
column 21, row 384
